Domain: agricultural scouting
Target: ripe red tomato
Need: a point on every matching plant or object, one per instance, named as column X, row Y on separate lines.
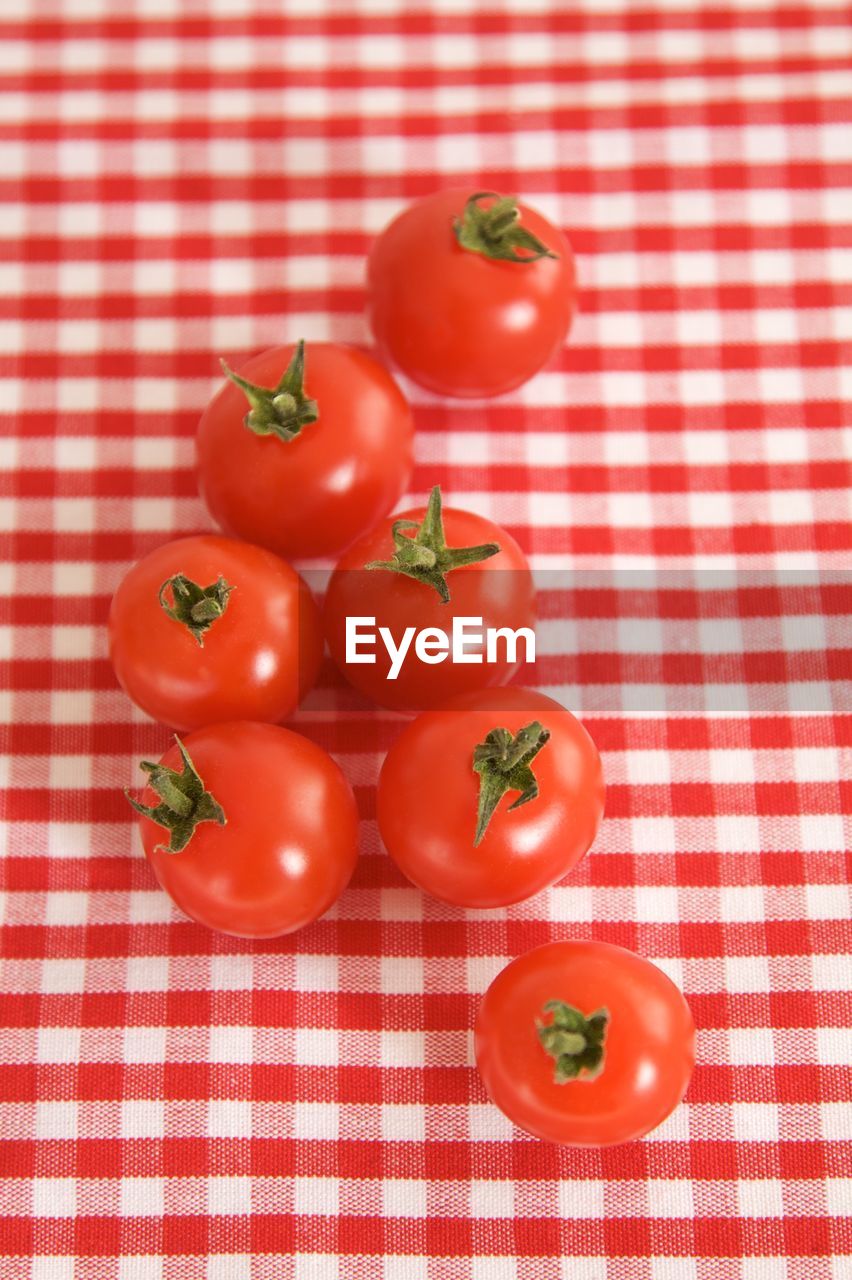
column 457, row 320
column 323, row 469
column 263, row 836
column 565, row 1072
column 251, row 649
column 433, row 805
column 481, row 574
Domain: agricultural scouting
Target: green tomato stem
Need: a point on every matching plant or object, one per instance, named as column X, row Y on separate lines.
column 574, row 1042
column 282, row 411
column 503, row 764
column 426, row 557
column 193, row 606
column 496, row 231
column 184, row 802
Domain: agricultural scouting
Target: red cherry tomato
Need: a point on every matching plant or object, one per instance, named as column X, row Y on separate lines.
column 276, row 834
column 432, row 806
column 254, row 653
column 588, row 1080
column 312, row 494
column 457, row 321
column 498, row 588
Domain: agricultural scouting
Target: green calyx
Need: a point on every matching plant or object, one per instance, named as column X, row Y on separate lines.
column 280, row 411
column 496, row 231
column 426, row 557
column 195, row 607
column 574, row 1042
column 183, row 801
column 503, row 764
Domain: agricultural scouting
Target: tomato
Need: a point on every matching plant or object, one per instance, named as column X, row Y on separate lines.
column 457, row 320
column 584, row 1043
column 402, row 576
column 251, row 649
column 441, row 808
column 263, row 835
column 307, row 466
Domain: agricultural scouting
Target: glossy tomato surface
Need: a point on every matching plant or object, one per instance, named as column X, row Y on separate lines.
column 313, row 495
column 289, row 844
column 649, row 1048
column 460, row 323
column 257, row 660
column 428, row 794
column 499, row 590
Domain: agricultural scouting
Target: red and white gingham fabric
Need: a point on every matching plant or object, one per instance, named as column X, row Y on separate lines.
column 180, row 181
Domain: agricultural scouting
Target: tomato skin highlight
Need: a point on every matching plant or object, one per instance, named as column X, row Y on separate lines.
column 290, row 843
column 313, row 495
column 500, row 590
column 427, row 802
column 649, row 1049
column 459, row 323
column 258, row 659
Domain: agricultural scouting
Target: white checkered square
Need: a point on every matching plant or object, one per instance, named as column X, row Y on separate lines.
column 142, row 1197
column 228, row 1118
column 142, row 1118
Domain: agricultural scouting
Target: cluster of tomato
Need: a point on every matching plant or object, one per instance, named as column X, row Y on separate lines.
column 252, row 828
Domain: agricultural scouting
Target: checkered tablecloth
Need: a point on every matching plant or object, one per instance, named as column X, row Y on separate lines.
column 184, row 179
